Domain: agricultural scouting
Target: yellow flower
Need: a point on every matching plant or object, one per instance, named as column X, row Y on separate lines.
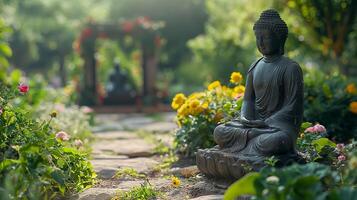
column 214, row 85
column 353, row 107
column 196, row 95
column 302, row 135
column 236, row 77
column 175, row 181
column 195, row 107
column 178, row 100
column 183, row 110
column 239, row 89
column 351, row 88
column 205, row 105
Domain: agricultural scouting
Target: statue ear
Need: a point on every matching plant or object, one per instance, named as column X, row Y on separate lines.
column 281, row 50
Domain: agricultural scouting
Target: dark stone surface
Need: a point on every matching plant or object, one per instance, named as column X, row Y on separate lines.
column 120, row 89
column 271, row 113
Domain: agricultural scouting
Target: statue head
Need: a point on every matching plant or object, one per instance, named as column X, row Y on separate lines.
column 271, row 33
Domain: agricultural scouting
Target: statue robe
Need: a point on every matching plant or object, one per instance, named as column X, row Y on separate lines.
column 274, row 94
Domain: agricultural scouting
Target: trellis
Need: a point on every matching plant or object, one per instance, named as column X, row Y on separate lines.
column 146, row 34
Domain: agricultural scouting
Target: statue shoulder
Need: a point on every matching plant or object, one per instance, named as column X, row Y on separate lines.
column 254, row 64
column 292, row 69
column 292, row 65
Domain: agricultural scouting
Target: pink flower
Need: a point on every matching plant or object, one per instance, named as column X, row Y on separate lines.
column 60, row 107
column 23, row 88
column 310, row 129
column 86, row 109
column 62, row 136
column 1, row 111
column 318, row 128
column 78, row 143
column 341, row 158
column 340, row 146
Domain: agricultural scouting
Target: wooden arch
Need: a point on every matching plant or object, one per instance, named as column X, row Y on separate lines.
column 142, row 29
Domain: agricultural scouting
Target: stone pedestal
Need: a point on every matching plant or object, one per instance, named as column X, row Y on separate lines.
column 216, row 163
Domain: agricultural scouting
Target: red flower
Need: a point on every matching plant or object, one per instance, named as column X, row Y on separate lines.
column 23, row 88
column 127, row 26
column 87, row 32
column 157, row 41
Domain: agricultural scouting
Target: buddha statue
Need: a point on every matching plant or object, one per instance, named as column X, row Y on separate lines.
column 271, row 112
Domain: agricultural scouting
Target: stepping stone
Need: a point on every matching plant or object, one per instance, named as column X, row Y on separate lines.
column 106, row 168
column 186, row 171
column 159, row 127
column 115, row 135
column 97, row 193
column 105, row 165
column 129, row 147
column 209, row 197
column 141, row 165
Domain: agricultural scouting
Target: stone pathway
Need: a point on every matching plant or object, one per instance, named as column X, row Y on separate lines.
column 130, row 141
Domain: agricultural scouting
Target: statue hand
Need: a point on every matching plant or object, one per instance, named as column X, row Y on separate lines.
column 254, row 123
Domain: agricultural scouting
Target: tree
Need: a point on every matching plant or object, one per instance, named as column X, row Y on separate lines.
column 332, row 23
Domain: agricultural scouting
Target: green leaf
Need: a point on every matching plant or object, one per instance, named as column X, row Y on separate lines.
column 244, row 186
column 319, row 144
column 5, row 49
column 3, row 62
column 305, row 125
column 15, row 76
column 58, row 177
column 345, row 193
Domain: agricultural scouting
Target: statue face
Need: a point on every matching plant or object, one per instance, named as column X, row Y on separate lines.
column 267, row 42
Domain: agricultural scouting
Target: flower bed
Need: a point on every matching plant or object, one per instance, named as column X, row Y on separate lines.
column 199, row 113
column 36, row 161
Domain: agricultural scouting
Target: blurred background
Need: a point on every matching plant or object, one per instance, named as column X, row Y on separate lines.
column 143, row 52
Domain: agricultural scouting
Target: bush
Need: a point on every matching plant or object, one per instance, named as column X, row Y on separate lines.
column 34, row 163
column 310, row 181
column 329, row 100
column 72, row 119
column 199, row 113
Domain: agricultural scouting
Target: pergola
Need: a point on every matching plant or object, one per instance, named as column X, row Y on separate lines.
column 145, row 33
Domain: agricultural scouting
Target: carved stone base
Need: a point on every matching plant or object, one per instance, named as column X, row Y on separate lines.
column 216, row 163
column 219, row 164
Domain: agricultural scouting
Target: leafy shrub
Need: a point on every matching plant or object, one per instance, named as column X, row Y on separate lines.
column 34, row 163
column 72, row 119
column 329, row 100
column 310, row 181
column 199, row 113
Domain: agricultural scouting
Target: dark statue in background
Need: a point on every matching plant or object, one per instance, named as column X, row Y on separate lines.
column 120, row 90
column 271, row 113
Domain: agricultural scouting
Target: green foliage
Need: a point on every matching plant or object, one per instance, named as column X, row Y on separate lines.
column 327, row 101
column 33, row 162
column 229, row 42
column 184, row 19
column 310, row 181
column 331, row 23
column 128, row 173
column 143, row 192
column 245, row 186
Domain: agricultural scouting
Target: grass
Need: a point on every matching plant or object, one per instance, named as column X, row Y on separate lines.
column 143, row 192
column 129, row 172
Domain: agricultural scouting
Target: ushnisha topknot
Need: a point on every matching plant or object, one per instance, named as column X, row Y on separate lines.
column 270, row 19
